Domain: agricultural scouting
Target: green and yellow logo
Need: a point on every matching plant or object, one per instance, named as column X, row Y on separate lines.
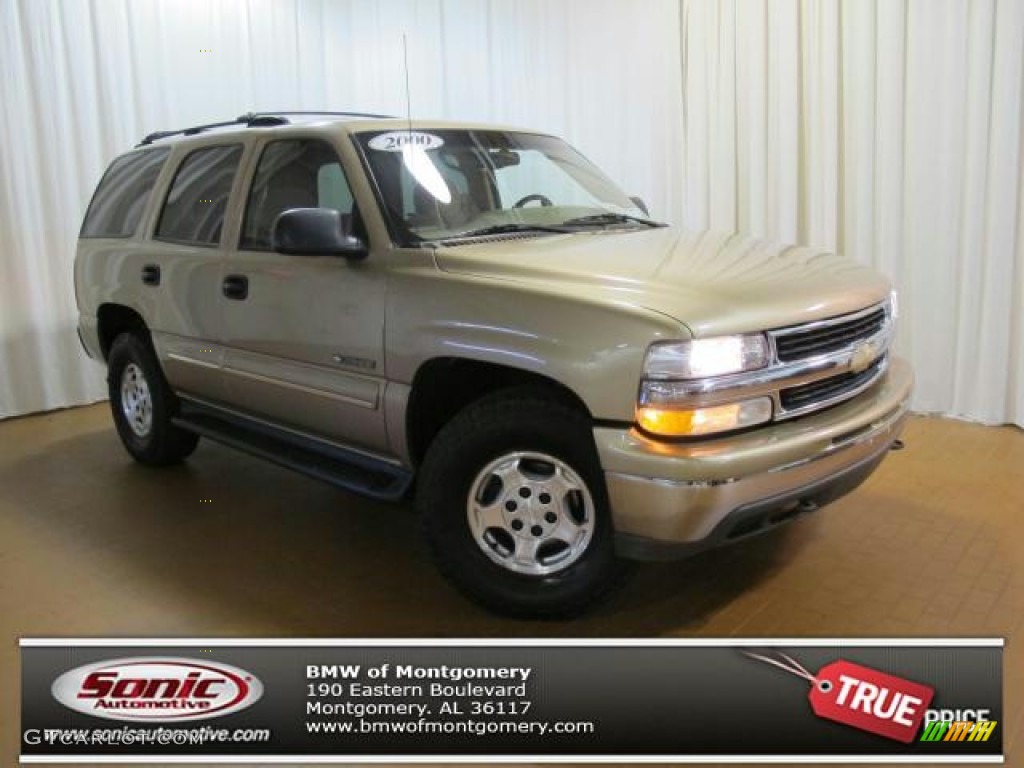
column 959, row 730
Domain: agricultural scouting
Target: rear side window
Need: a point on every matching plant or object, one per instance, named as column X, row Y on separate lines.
column 122, row 194
column 194, row 210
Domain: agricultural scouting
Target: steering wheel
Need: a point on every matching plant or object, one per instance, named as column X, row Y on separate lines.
column 542, row 199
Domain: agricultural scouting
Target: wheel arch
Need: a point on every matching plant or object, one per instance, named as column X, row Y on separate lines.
column 443, row 386
column 113, row 320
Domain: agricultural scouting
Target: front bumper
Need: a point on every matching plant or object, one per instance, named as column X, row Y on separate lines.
column 672, row 499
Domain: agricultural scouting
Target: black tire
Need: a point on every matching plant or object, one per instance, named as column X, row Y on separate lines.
column 509, row 422
column 161, row 443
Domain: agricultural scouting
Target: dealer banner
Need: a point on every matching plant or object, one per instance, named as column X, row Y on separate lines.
column 310, row 701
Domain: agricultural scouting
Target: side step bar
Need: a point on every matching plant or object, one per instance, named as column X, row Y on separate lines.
column 346, row 469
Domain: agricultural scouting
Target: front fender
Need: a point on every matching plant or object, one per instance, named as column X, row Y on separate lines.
column 594, row 348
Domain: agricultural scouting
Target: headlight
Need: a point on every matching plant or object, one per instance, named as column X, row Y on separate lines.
column 666, row 392
column 702, row 358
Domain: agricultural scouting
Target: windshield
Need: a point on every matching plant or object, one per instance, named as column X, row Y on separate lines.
column 445, row 184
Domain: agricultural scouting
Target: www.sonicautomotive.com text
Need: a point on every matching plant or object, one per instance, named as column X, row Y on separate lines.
column 132, row 736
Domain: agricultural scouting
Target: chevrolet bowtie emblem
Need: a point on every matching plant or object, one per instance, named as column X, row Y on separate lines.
column 862, row 357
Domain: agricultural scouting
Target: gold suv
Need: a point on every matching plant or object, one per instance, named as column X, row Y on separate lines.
column 479, row 314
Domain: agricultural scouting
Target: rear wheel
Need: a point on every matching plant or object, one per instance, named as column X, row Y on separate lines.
column 512, row 500
column 143, row 404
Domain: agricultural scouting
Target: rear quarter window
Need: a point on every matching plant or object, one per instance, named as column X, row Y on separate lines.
column 121, row 196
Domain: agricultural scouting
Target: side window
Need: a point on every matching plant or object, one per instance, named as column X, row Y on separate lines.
column 294, row 173
column 122, row 194
column 195, row 206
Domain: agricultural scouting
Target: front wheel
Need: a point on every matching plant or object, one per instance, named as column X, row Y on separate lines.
column 512, row 500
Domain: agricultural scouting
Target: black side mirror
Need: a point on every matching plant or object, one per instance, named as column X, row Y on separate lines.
column 639, row 203
column 316, row 232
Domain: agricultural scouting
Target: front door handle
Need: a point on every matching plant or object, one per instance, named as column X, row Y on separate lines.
column 236, row 287
column 151, row 274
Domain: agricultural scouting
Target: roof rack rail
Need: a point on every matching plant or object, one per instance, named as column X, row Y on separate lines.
column 251, row 120
column 320, row 112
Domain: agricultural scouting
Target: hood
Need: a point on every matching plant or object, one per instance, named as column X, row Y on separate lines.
column 714, row 283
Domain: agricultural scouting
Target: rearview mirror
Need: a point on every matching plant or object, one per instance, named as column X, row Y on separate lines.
column 503, row 158
column 316, row 232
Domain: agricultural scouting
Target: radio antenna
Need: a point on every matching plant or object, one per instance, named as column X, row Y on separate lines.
column 408, row 100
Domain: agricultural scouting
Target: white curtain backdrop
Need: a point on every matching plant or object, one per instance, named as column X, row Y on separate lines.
column 888, row 129
column 892, row 131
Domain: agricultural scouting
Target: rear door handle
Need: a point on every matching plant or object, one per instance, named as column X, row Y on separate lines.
column 236, row 287
column 151, row 274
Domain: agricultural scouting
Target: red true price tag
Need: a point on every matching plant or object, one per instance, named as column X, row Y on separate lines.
column 863, row 698
column 870, row 700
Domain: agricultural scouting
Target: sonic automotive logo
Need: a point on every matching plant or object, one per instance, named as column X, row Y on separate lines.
column 157, row 690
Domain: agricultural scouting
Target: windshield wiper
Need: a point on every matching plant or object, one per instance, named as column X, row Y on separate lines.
column 610, row 218
column 502, row 229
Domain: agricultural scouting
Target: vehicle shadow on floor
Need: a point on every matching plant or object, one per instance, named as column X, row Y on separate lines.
column 237, row 543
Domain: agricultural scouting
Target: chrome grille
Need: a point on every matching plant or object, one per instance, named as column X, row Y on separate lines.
column 826, row 353
column 831, row 389
column 829, row 336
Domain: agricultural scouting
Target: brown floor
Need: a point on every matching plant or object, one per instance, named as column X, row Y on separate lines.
column 91, row 544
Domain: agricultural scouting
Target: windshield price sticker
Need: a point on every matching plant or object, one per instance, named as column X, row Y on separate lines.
column 397, row 141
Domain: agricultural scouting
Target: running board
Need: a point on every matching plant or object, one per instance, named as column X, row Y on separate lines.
column 346, row 469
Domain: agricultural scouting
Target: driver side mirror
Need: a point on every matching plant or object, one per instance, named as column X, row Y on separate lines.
column 316, row 232
column 639, row 203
